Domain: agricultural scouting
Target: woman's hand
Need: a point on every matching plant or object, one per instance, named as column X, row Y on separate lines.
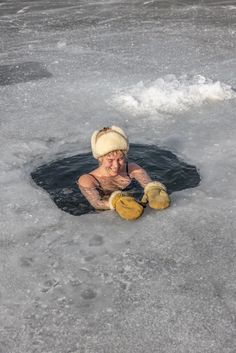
column 125, row 205
column 156, row 196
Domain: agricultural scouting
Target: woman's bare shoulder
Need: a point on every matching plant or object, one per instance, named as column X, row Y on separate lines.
column 134, row 167
column 86, row 181
column 139, row 173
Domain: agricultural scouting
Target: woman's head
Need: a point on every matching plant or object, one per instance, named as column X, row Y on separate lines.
column 107, row 140
column 113, row 162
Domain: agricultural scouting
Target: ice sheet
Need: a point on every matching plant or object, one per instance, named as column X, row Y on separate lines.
column 95, row 283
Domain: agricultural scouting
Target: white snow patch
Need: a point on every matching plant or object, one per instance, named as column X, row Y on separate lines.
column 170, row 95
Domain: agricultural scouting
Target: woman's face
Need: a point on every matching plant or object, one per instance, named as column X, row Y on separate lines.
column 113, row 162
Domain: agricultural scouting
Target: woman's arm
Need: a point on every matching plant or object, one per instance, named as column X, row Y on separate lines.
column 88, row 188
column 140, row 174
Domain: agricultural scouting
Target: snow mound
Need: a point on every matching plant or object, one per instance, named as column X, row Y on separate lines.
column 170, row 95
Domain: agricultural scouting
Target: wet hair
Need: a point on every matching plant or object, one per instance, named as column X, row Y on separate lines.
column 111, row 153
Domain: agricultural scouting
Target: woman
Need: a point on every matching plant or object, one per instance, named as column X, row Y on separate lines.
column 107, row 186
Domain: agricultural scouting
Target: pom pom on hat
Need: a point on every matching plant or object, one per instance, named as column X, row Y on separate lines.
column 108, row 140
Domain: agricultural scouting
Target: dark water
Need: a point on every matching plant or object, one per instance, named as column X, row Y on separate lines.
column 58, row 178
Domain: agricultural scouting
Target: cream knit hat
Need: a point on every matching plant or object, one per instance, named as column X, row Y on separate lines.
column 107, row 140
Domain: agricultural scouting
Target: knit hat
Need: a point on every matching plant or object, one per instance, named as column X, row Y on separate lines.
column 107, row 140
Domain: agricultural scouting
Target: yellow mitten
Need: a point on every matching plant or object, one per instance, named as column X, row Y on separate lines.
column 126, row 206
column 156, row 196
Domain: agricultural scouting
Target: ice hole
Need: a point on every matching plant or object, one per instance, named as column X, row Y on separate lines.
column 59, row 177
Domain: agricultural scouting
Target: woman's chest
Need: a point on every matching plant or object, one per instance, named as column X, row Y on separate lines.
column 115, row 183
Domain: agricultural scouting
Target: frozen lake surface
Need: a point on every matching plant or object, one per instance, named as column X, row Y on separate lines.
column 165, row 72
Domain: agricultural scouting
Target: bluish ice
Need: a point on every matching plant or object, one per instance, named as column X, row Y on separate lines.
column 165, row 72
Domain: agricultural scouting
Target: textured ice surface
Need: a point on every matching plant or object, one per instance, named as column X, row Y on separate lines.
column 22, row 72
column 95, row 283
